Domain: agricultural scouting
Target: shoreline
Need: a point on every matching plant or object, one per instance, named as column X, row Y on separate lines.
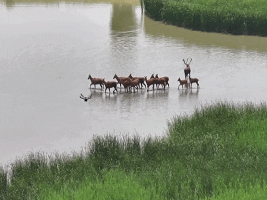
column 210, row 16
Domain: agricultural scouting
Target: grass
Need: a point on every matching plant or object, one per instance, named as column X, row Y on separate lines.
column 237, row 17
column 217, row 153
column 114, row 184
column 251, row 192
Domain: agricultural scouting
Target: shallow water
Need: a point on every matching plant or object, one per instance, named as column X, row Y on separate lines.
column 48, row 50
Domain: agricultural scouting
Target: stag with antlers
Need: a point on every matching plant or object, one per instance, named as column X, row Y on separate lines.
column 187, row 69
column 85, row 98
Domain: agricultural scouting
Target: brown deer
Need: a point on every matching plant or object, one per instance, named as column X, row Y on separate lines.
column 149, row 82
column 166, row 79
column 126, row 84
column 159, row 81
column 141, row 80
column 183, row 82
column 193, row 80
column 187, row 69
column 134, row 84
column 120, row 79
column 96, row 81
column 110, row 84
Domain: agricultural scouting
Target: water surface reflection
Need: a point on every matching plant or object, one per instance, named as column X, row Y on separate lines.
column 123, row 38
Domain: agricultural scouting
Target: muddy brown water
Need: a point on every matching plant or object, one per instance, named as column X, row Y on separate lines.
column 47, row 51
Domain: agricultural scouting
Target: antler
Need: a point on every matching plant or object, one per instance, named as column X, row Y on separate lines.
column 190, row 60
column 85, row 98
column 186, row 63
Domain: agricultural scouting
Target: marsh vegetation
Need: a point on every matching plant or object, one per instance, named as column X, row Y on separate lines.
column 236, row 17
column 218, row 152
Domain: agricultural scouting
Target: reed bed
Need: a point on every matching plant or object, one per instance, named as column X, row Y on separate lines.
column 217, row 153
column 238, row 17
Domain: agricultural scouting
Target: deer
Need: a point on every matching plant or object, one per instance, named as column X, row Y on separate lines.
column 166, row 79
column 134, row 84
column 159, row 81
column 193, row 80
column 149, row 82
column 187, row 69
column 96, row 81
column 110, row 84
column 85, row 98
column 126, row 84
column 141, row 80
column 182, row 83
column 120, row 79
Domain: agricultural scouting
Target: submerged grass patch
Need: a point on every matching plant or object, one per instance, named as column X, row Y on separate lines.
column 247, row 17
column 218, row 152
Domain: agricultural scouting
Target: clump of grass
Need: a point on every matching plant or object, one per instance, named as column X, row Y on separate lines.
column 246, row 192
column 3, row 183
column 154, row 8
column 218, row 150
column 231, row 16
column 114, row 184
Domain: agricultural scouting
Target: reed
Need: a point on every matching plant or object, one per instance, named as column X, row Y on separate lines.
column 237, row 17
column 215, row 153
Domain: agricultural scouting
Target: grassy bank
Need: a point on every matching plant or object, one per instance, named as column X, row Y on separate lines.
column 219, row 152
column 247, row 17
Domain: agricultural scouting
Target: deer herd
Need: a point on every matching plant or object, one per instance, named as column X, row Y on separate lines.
column 132, row 84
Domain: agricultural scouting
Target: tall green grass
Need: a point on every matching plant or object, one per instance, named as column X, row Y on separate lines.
column 217, row 153
column 113, row 184
column 247, row 17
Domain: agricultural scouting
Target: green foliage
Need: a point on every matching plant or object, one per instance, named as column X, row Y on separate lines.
column 218, row 152
column 154, row 8
column 3, row 183
column 114, row 184
column 229, row 16
column 257, row 191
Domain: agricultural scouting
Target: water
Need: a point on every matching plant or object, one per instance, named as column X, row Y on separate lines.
column 48, row 50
